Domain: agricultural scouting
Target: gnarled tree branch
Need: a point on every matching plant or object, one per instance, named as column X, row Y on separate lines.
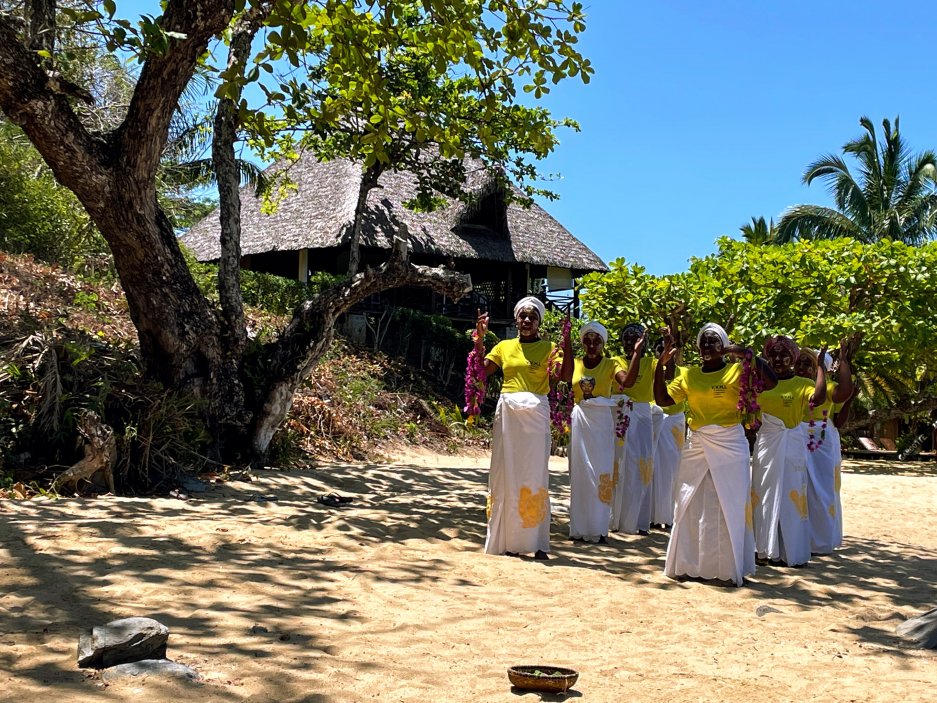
column 902, row 408
column 312, row 329
column 29, row 98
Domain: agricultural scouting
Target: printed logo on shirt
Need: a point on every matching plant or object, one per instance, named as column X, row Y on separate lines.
column 787, row 399
column 719, row 390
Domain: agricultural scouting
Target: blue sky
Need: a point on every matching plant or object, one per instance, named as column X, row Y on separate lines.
column 703, row 115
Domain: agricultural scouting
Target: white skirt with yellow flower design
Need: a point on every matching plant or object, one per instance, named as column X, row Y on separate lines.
column 712, row 525
column 634, row 461
column 823, row 501
column 666, row 461
column 779, row 492
column 591, row 457
column 518, row 483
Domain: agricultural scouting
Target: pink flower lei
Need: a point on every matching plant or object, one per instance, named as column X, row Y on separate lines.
column 812, row 443
column 749, row 387
column 475, row 379
column 561, row 395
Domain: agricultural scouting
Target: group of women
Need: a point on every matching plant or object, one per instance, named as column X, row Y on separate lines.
column 631, row 467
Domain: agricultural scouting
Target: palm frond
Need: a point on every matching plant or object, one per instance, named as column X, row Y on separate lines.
column 815, row 222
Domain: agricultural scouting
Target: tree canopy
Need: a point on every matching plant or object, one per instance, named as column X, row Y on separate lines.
column 815, row 291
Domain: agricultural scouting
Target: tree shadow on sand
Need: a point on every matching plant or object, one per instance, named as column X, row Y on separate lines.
column 62, row 592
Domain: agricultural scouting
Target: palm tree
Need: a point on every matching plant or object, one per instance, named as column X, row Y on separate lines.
column 760, row 232
column 894, row 198
column 186, row 170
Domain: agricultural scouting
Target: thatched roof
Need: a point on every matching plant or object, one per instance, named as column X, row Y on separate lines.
column 319, row 214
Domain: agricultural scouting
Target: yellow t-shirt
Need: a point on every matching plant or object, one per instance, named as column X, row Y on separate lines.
column 524, row 365
column 829, row 406
column 711, row 397
column 643, row 389
column 604, row 375
column 788, row 401
column 676, row 407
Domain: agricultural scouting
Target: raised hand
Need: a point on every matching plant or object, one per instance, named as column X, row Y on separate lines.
column 481, row 327
column 639, row 345
column 669, row 348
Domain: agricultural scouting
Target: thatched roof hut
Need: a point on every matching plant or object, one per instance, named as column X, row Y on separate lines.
column 506, row 247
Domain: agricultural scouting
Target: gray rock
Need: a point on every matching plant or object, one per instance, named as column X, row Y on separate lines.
column 922, row 630
column 151, row 667
column 122, row 641
column 192, row 484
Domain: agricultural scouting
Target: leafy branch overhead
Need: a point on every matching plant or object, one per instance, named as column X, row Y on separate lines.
column 411, row 84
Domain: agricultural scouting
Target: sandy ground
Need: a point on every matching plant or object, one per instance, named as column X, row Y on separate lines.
column 274, row 597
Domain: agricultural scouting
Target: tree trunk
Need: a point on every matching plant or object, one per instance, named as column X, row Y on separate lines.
column 228, row 415
column 369, row 180
column 41, row 14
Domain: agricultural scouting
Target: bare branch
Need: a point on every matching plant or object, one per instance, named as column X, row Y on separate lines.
column 224, row 160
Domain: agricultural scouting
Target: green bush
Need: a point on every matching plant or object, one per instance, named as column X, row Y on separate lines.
column 431, row 344
column 265, row 291
column 40, row 217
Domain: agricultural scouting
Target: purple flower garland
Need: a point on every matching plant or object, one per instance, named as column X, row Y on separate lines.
column 561, row 395
column 475, row 379
column 812, row 443
column 750, row 386
column 621, row 426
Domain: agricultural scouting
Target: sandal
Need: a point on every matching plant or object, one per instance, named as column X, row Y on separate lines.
column 333, row 500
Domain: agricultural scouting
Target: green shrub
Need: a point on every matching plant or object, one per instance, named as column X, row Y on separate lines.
column 264, row 291
column 48, row 381
column 40, row 217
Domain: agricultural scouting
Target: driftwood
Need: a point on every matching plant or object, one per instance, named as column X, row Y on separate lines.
column 100, row 454
column 922, row 630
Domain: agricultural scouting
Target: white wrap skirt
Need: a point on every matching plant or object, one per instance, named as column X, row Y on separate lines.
column 779, row 492
column 712, row 534
column 634, row 460
column 824, row 467
column 591, row 462
column 519, row 479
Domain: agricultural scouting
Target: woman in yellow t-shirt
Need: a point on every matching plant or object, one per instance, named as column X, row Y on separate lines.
column 668, row 446
column 824, row 455
column 712, row 531
column 634, row 457
column 519, row 479
column 592, row 437
column 779, row 459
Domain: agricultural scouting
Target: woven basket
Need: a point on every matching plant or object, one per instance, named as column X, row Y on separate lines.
column 543, row 678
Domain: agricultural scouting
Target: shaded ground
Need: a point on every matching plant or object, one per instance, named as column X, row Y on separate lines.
column 274, row 597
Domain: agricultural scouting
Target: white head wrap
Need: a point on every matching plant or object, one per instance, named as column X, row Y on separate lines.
column 596, row 327
column 827, row 359
column 530, row 302
column 713, row 327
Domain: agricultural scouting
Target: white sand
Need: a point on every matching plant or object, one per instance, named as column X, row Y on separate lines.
column 391, row 598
